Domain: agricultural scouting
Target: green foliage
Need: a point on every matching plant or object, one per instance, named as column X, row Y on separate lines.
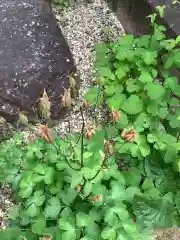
column 62, row 3
column 116, row 183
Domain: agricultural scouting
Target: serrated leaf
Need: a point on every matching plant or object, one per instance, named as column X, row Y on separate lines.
column 133, row 105
column 52, row 208
column 154, row 90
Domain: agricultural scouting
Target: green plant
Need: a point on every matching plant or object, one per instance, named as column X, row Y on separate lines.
column 70, row 193
column 62, row 3
column 117, row 182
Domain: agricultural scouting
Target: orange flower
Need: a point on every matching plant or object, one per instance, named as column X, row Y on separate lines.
column 115, row 115
column 46, row 133
column 89, row 132
column 96, row 198
column 129, row 135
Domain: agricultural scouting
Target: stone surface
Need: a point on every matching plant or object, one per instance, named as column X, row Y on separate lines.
column 133, row 15
column 33, row 56
column 171, row 14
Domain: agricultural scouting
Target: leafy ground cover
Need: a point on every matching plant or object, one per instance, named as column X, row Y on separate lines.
column 116, row 181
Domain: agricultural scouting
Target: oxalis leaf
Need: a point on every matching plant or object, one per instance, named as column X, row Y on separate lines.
column 108, row 233
column 66, row 224
column 133, row 105
column 39, row 225
column 154, row 90
column 83, row 219
column 26, row 187
column 33, row 210
column 52, row 208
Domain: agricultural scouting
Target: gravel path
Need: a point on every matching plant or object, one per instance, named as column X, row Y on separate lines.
column 84, row 25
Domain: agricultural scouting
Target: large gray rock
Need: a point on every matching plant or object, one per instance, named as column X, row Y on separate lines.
column 33, row 56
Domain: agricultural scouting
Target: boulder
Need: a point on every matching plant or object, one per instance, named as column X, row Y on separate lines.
column 34, row 57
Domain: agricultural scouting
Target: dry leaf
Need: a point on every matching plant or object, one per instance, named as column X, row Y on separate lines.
column 72, row 85
column 44, row 106
column 115, row 115
column 129, row 135
column 46, row 133
column 66, row 98
column 89, row 131
column 22, row 119
column 85, row 103
column 46, row 237
column 108, row 148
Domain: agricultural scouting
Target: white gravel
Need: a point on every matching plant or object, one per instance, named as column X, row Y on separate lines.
column 84, row 25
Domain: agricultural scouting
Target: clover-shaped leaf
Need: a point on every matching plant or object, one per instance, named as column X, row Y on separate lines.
column 133, row 105
column 52, row 208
